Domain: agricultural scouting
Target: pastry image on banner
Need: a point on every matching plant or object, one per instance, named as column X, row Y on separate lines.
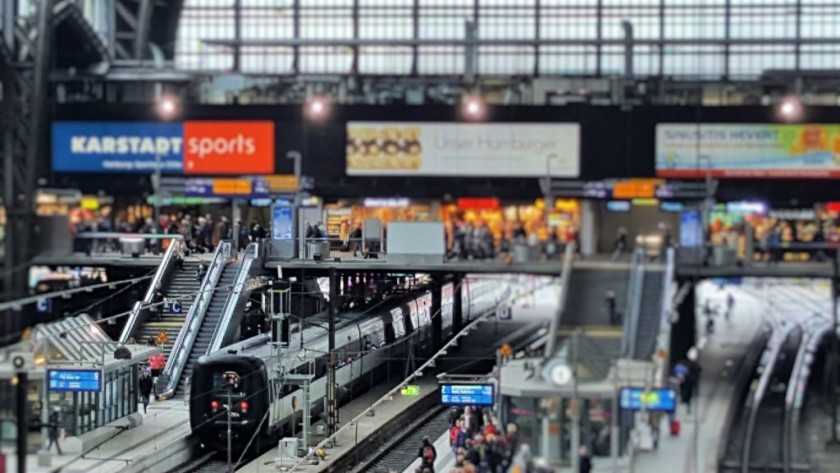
column 393, row 148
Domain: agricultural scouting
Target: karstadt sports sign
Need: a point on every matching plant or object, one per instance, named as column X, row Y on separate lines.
column 190, row 147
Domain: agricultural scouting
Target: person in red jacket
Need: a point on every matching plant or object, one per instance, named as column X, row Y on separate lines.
column 157, row 363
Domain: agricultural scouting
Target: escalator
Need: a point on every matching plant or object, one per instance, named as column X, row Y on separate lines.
column 183, row 287
column 211, row 319
column 585, row 303
column 650, row 315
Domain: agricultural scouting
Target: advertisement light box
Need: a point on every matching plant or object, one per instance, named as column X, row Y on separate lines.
column 467, row 394
column 190, row 147
column 463, row 149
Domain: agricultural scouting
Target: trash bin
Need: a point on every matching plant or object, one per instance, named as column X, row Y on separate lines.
column 318, row 248
column 132, row 246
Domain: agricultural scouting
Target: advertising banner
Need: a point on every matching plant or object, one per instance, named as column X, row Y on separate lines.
column 748, row 151
column 191, row 147
column 463, row 149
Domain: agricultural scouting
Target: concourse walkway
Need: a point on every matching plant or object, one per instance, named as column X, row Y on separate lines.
column 704, row 429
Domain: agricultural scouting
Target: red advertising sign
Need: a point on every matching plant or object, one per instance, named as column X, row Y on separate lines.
column 225, row 147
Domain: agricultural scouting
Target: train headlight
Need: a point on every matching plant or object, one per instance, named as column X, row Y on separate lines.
column 214, row 405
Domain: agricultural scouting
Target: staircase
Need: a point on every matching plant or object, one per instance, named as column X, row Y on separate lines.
column 208, row 325
column 650, row 315
column 585, row 304
column 183, row 286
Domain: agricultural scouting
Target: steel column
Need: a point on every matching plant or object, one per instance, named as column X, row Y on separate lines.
column 436, row 313
column 332, row 417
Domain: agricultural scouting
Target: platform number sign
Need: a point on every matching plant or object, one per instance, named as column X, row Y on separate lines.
column 44, row 306
column 174, row 306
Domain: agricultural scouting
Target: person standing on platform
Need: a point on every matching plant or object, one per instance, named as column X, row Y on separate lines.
column 730, row 305
column 145, row 386
column 54, row 429
column 610, row 303
column 584, row 460
column 620, row 245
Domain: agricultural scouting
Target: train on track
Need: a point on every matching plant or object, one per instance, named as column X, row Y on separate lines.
column 249, row 383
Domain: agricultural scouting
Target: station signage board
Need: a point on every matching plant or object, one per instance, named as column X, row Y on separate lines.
column 656, row 399
column 190, row 147
column 463, row 149
column 74, row 380
column 467, row 394
column 729, row 150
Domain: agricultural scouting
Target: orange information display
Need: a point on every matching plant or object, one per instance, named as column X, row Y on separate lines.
column 636, row 188
column 228, row 147
column 281, row 183
column 232, row 186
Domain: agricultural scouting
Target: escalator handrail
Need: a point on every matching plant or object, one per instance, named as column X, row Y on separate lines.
column 634, row 304
column 176, row 245
column 663, row 339
column 180, row 352
column 777, row 340
column 565, row 277
column 243, row 276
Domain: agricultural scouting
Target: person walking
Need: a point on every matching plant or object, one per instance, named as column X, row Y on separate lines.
column 427, row 454
column 620, row 245
column 145, row 385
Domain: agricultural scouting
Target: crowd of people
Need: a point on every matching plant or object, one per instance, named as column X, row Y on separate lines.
column 479, row 444
column 475, row 241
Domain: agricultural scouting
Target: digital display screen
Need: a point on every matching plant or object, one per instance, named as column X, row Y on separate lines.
column 691, row 229
column 618, row 206
column 467, row 394
column 659, row 399
column 75, row 380
column 282, row 223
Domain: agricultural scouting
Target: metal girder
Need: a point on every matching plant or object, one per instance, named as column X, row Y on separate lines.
column 23, row 108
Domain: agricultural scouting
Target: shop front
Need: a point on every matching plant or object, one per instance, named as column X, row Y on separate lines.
column 345, row 215
column 504, row 219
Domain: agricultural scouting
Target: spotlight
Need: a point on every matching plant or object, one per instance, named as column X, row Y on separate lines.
column 474, row 108
column 167, row 107
column 790, row 109
column 317, row 107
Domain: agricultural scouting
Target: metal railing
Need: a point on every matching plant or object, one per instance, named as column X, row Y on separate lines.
column 192, row 324
column 565, row 277
column 111, row 243
column 176, row 246
column 663, row 340
column 814, row 329
column 634, row 303
column 242, row 283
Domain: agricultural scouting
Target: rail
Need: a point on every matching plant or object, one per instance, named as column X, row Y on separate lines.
column 186, row 337
column 176, row 246
column 430, row 363
column 565, row 277
column 634, row 303
column 663, row 340
column 814, row 329
column 776, row 343
column 242, row 283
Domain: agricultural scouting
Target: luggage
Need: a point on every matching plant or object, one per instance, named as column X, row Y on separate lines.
column 675, row 428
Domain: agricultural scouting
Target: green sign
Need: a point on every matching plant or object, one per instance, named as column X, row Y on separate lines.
column 410, row 390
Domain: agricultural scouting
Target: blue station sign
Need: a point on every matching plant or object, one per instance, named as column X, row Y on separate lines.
column 657, row 399
column 74, row 380
column 467, row 394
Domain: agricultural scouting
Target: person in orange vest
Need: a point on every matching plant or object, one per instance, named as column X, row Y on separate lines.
column 162, row 339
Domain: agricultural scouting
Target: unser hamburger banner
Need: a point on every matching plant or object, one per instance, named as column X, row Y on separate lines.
column 748, row 151
column 463, row 149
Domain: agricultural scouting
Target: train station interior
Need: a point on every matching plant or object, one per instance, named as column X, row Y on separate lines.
column 422, row 236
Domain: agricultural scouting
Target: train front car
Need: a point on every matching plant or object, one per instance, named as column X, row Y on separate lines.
column 218, row 382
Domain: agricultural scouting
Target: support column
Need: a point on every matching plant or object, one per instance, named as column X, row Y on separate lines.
column 22, row 420
column 457, row 303
column 436, row 314
column 332, row 415
column 587, row 231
